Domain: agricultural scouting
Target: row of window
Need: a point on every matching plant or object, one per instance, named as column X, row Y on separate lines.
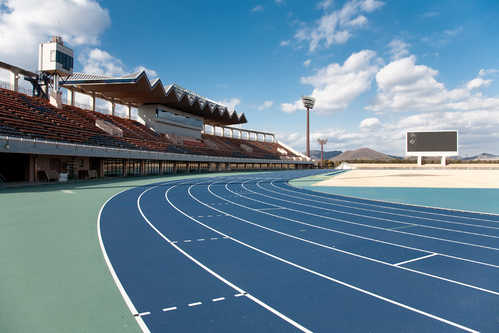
column 114, row 167
column 63, row 59
column 179, row 118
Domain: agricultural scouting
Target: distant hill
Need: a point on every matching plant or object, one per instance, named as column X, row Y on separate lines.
column 362, row 154
column 316, row 154
column 482, row 157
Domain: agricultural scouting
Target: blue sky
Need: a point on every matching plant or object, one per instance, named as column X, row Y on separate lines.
column 376, row 68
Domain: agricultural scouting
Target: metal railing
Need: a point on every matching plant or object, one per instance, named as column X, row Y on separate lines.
column 10, row 86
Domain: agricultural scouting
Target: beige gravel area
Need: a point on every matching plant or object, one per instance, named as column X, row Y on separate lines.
column 444, row 178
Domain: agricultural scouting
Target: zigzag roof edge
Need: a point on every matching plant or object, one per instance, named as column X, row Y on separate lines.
column 133, row 78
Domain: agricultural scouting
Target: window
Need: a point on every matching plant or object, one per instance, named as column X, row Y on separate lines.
column 63, row 59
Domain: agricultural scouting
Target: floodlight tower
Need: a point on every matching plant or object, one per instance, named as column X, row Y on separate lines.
column 308, row 103
column 322, row 142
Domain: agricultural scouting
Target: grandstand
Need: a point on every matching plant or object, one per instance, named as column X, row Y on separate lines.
column 40, row 140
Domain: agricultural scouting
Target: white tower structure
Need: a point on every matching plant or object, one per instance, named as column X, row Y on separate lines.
column 55, row 60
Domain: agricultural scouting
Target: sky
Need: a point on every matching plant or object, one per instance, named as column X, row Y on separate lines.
column 376, row 68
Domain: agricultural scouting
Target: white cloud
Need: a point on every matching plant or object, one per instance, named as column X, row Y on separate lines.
column 431, row 14
column 24, row 24
column 404, row 86
column 306, row 63
column 151, row 74
column 484, row 72
column 285, row 42
column 334, row 27
column 453, row 32
column 369, row 124
column 258, row 8
column 100, row 62
column 337, row 86
column 265, row 105
column 230, row 103
column 398, row 48
column 280, row 2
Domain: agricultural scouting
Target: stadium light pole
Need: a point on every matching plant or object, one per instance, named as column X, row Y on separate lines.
column 322, row 142
column 308, row 103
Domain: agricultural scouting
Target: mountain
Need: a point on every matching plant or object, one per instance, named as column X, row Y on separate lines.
column 482, row 157
column 361, row 154
column 316, row 154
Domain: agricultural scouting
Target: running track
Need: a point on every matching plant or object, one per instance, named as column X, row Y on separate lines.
column 249, row 253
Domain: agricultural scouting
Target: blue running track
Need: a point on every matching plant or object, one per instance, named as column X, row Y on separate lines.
column 250, row 253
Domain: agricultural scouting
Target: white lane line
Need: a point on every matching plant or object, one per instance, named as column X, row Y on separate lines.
column 117, row 281
column 364, row 257
column 214, row 238
column 187, row 241
column 143, row 314
column 170, row 309
column 329, row 199
column 375, row 218
column 352, row 235
column 195, row 304
column 356, row 223
column 200, row 239
column 326, row 276
column 323, row 275
column 230, row 284
column 218, row 299
column 416, row 259
column 239, row 295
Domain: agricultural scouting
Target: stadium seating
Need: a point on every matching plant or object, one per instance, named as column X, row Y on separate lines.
column 35, row 118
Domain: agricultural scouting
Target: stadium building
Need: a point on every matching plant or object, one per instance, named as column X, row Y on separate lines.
column 46, row 138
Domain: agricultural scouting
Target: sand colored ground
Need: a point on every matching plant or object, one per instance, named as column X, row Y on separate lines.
column 422, row 177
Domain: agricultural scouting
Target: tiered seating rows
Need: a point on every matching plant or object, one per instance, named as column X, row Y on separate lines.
column 34, row 117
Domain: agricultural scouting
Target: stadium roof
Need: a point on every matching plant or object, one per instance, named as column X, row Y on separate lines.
column 137, row 89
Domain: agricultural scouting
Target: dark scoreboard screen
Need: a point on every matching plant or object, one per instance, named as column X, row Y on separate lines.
column 438, row 141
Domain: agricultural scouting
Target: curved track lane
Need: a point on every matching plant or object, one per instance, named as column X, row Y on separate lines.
column 251, row 253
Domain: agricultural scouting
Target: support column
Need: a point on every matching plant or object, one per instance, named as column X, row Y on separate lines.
column 128, row 112
column 14, row 79
column 71, row 97
column 111, row 107
column 142, row 167
column 92, row 102
column 443, row 161
column 420, row 160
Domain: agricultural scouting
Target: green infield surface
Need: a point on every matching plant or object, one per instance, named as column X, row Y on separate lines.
column 53, row 277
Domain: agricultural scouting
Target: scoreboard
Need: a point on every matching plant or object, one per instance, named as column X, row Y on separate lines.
column 432, row 143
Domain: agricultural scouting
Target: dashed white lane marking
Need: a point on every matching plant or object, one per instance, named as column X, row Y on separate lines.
column 239, row 295
column 144, row 314
column 170, row 309
column 416, row 259
column 218, row 299
column 195, row 304
column 199, row 240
